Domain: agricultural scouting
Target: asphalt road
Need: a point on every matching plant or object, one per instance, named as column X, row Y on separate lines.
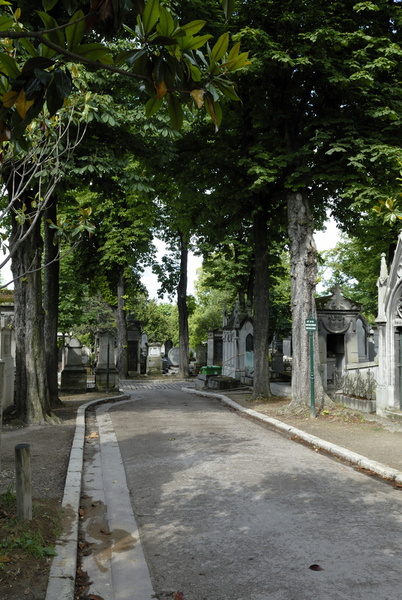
column 229, row 509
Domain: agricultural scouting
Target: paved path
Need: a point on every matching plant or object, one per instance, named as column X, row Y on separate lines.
column 228, row 509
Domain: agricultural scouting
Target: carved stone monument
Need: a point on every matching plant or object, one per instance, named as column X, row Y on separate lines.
column 6, row 360
column 343, row 334
column 154, row 359
column 389, row 322
column 106, row 373
column 74, row 374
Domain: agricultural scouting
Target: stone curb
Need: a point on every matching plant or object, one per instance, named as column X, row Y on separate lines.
column 353, row 457
column 63, row 570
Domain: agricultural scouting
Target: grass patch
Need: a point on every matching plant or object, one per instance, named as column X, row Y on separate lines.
column 27, row 546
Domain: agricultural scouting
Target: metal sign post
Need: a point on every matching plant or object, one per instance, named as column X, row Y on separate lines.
column 311, row 326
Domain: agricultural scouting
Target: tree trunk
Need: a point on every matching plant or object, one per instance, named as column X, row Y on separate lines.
column 31, row 390
column 183, row 313
column 261, row 387
column 51, row 304
column 122, row 335
column 303, row 275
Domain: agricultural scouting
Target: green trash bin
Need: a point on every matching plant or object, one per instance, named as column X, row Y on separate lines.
column 211, row 370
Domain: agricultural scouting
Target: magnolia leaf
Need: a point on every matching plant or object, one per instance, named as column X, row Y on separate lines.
column 190, row 28
column 166, row 25
column 215, row 112
column 238, row 62
column 150, row 15
column 193, row 43
column 5, row 23
column 221, row 46
column 37, row 62
column 227, row 89
column 234, row 51
column 76, row 31
column 161, row 89
column 162, row 40
column 48, row 4
column 9, row 65
column 198, row 96
column 56, row 35
column 228, row 8
column 22, row 104
column 152, row 106
column 175, row 111
column 94, row 51
column 10, row 98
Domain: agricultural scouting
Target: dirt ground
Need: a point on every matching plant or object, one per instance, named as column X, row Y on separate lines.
column 23, row 576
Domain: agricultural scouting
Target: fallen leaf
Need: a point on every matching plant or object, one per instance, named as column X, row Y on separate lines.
column 4, row 559
column 94, row 597
column 92, row 435
column 178, row 596
column 316, row 568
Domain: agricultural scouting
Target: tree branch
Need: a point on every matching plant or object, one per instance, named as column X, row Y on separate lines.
column 40, row 36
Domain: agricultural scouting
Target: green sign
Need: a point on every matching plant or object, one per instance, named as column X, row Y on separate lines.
column 311, row 324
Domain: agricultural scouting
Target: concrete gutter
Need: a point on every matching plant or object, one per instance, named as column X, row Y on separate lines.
column 352, row 457
column 61, row 584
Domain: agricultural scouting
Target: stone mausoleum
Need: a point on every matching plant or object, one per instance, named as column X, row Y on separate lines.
column 389, row 323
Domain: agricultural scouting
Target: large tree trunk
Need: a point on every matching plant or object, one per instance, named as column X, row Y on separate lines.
column 303, row 275
column 51, row 304
column 183, row 313
column 261, row 315
column 31, row 390
column 122, row 336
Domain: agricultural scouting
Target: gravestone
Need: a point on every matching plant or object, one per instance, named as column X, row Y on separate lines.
column 201, row 356
column 74, row 374
column 215, row 347
column 133, row 347
column 7, row 360
column 106, row 373
column 174, row 356
column 154, row 359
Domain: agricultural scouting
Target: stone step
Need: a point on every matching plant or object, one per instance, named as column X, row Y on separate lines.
column 394, row 415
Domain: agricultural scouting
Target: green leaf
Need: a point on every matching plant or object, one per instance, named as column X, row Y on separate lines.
column 9, row 65
column 29, row 47
column 37, row 62
column 150, row 16
column 94, row 51
column 5, row 23
column 192, row 43
column 63, row 83
column 228, row 8
column 57, row 36
column 76, row 31
column 190, row 29
column 161, row 40
column 129, row 56
column 152, row 106
column 227, row 90
column 49, row 4
column 215, row 112
column 221, row 47
column 166, row 25
column 175, row 111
